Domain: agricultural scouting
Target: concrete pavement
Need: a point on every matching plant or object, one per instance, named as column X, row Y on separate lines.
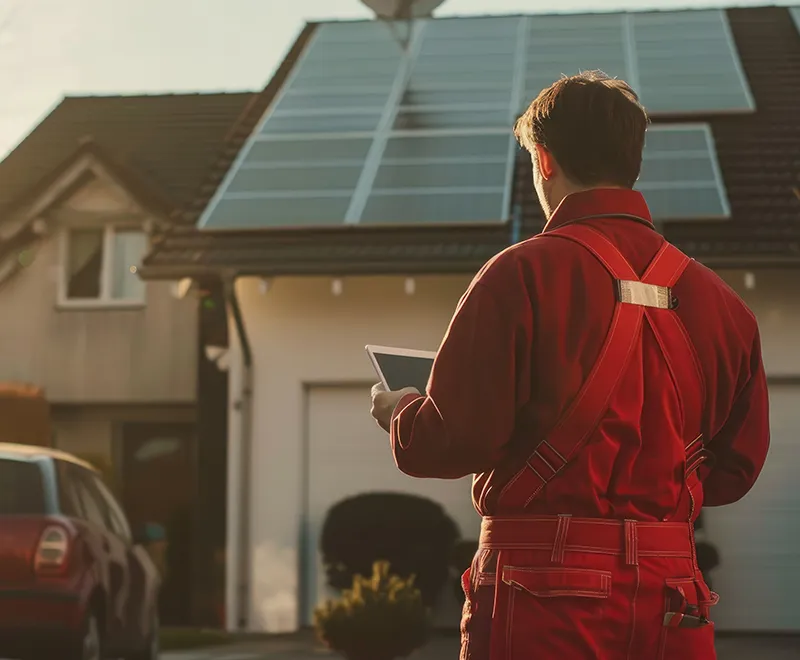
column 442, row 648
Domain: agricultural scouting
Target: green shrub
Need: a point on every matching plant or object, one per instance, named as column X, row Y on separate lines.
column 414, row 534
column 380, row 618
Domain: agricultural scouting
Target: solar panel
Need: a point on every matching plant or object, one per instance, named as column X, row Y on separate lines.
column 565, row 45
column 364, row 133
column 680, row 177
column 682, row 62
column 686, row 62
column 449, row 155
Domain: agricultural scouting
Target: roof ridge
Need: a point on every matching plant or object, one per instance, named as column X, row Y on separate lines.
column 156, row 95
column 690, row 6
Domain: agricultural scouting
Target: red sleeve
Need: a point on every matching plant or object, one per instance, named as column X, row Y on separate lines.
column 468, row 415
column 740, row 448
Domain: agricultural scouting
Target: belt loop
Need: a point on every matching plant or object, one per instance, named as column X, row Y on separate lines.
column 631, row 543
column 560, row 542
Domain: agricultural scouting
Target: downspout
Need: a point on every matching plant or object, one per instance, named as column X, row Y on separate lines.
column 245, row 408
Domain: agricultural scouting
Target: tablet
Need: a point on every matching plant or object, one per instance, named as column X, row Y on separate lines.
column 402, row 367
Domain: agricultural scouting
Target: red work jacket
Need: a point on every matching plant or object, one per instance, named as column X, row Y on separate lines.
column 521, row 343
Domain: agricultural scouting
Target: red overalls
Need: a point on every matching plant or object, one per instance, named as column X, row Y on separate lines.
column 566, row 588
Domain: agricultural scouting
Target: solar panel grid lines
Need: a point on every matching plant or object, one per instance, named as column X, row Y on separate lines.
column 372, row 161
column 410, row 185
column 363, row 132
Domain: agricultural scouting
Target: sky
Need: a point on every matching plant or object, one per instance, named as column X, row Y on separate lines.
column 53, row 48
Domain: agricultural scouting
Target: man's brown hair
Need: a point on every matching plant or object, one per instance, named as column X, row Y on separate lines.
column 593, row 125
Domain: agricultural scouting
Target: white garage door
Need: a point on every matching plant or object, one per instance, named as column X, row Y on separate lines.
column 758, row 538
column 349, row 455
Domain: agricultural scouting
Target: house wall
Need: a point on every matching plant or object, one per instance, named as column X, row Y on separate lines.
column 302, row 334
column 141, row 355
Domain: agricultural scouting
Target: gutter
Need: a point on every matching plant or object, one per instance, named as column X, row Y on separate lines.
column 245, row 407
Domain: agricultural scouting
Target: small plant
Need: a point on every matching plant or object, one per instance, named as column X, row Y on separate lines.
column 380, row 618
column 414, row 534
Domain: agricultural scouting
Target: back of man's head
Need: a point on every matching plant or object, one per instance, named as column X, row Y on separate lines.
column 592, row 124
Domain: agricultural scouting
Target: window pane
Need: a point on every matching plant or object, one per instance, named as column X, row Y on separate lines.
column 129, row 249
column 90, row 504
column 84, row 263
column 69, row 501
column 21, row 488
column 119, row 523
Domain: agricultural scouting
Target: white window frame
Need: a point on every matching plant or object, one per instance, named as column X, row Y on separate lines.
column 104, row 300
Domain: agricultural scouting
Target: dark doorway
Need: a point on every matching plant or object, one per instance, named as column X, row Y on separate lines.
column 159, row 487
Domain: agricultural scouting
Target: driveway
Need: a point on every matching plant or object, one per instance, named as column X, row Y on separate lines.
column 442, row 648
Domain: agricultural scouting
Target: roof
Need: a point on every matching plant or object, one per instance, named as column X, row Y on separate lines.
column 757, row 153
column 33, row 452
column 165, row 144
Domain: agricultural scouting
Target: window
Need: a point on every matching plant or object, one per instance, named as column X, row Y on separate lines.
column 117, row 519
column 100, row 266
column 21, row 488
column 69, row 499
column 91, row 504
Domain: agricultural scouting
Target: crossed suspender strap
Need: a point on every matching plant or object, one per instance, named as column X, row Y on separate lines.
column 651, row 296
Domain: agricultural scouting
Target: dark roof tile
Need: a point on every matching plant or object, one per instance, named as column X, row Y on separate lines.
column 172, row 140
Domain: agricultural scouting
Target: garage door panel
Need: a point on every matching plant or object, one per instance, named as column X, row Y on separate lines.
column 754, row 600
column 346, row 455
column 758, row 538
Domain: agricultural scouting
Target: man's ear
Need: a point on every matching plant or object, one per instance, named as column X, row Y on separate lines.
column 545, row 162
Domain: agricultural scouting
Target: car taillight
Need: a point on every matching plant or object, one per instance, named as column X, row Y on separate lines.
column 51, row 554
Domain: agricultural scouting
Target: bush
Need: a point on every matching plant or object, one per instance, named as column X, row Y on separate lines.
column 380, row 618
column 412, row 533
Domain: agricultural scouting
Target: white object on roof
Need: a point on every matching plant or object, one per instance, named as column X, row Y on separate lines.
column 402, row 9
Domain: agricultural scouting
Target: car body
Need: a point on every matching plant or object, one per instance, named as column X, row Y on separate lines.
column 72, row 576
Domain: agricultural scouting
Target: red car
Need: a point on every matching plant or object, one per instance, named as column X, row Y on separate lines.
column 74, row 583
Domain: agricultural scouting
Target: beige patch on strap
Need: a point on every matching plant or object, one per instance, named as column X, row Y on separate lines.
column 645, row 295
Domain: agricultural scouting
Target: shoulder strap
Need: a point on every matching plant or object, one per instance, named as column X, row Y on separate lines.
column 649, row 297
column 590, row 404
column 679, row 353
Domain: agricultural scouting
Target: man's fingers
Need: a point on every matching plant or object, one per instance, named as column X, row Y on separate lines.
column 377, row 388
column 407, row 390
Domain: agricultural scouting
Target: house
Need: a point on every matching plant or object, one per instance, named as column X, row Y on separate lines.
column 118, row 358
column 376, row 181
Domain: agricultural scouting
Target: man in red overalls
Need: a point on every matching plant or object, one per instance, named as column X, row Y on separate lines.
column 601, row 386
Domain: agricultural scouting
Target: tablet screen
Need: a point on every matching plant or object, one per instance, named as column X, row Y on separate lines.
column 404, row 371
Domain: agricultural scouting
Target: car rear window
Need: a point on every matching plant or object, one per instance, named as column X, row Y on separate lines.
column 21, row 488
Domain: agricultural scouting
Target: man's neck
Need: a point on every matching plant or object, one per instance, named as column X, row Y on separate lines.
column 573, row 189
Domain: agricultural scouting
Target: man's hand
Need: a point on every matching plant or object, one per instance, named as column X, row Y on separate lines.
column 384, row 403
